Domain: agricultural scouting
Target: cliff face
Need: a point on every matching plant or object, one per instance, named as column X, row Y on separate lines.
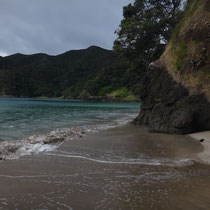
column 168, row 107
column 176, row 90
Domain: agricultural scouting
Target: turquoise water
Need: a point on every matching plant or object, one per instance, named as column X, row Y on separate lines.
column 20, row 118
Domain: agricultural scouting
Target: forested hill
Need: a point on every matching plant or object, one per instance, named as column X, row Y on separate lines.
column 78, row 73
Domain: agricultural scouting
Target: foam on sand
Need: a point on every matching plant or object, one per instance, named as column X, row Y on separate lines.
column 152, row 162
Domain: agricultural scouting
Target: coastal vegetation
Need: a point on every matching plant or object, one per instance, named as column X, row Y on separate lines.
column 74, row 74
column 146, row 28
column 187, row 54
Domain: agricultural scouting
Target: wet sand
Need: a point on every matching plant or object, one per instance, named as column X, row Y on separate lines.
column 121, row 168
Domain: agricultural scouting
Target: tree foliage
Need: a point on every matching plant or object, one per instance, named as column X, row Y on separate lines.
column 146, row 27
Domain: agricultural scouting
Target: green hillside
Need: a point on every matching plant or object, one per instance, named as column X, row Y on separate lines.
column 75, row 74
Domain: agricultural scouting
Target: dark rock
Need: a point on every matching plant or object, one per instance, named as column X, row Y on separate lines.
column 167, row 106
column 53, row 140
column 12, row 148
column 202, row 140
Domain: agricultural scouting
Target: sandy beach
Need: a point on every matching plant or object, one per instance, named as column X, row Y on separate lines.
column 205, row 137
column 120, row 168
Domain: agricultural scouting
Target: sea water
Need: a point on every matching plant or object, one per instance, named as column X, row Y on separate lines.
column 121, row 168
column 34, row 119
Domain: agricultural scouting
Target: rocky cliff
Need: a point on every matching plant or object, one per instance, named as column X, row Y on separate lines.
column 176, row 91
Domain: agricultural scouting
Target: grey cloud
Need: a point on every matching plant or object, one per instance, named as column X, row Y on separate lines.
column 56, row 26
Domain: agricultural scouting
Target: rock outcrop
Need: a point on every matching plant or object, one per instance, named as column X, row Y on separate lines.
column 176, row 91
column 168, row 107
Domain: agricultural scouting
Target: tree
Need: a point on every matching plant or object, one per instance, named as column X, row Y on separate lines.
column 146, row 28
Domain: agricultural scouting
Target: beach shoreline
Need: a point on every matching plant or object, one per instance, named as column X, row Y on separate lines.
column 120, row 168
column 35, row 125
column 93, row 99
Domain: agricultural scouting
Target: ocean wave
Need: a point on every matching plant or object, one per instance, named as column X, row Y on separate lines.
column 50, row 142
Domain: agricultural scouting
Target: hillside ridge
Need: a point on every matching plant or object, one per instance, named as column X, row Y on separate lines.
column 86, row 73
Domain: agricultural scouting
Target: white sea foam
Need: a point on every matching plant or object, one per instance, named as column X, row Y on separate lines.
column 152, row 162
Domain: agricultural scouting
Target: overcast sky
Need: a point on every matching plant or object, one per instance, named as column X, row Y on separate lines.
column 56, row 26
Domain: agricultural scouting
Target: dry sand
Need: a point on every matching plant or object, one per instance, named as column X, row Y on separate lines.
column 205, row 154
